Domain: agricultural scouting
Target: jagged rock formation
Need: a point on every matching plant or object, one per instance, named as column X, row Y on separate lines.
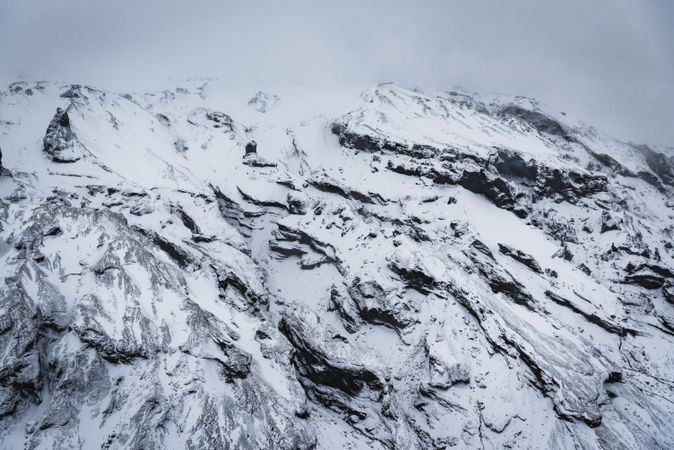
column 60, row 143
column 428, row 270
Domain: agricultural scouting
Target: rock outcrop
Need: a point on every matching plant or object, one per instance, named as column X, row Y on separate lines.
column 441, row 270
column 60, row 142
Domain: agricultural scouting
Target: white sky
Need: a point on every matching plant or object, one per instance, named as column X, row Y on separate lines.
column 608, row 62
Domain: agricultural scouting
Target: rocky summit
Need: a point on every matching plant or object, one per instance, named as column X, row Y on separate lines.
column 211, row 266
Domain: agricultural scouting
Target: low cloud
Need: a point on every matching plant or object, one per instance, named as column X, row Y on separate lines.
column 609, row 62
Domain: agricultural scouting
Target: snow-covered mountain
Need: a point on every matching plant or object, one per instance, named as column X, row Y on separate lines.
column 212, row 267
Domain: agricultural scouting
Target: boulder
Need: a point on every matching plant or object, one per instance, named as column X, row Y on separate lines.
column 537, row 120
column 251, row 147
column 60, row 143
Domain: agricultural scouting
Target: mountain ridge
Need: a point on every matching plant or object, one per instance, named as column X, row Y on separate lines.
column 417, row 270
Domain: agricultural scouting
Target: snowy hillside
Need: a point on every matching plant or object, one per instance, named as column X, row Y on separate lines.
column 216, row 267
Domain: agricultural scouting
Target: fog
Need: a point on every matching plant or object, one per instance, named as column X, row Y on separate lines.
column 608, row 62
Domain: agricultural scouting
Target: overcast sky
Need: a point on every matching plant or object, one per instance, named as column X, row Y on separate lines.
column 609, row 62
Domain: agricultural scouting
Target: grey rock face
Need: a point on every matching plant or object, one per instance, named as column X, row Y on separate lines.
column 68, row 345
column 661, row 164
column 668, row 292
column 251, row 147
column 60, row 142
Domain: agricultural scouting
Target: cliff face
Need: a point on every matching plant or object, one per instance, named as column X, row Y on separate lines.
column 420, row 270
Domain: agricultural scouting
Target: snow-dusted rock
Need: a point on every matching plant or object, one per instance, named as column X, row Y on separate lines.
column 426, row 270
column 60, row 142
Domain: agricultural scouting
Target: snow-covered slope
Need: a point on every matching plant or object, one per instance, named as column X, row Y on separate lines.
column 396, row 269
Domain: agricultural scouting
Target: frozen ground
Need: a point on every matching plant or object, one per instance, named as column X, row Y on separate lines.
column 389, row 268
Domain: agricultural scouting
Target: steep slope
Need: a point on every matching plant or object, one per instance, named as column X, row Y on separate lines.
column 428, row 270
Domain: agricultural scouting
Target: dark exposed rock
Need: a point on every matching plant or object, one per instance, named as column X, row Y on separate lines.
column 332, row 374
column 375, row 306
column 235, row 362
column 480, row 246
column 498, row 279
column 406, row 226
column 254, row 160
column 556, row 227
column 295, row 242
column 203, row 117
column 59, row 141
column 614, row 377
column 431, row 199
column 520, row 256
column 668, row 292
column 21, row 377
column 341, row 302
column 115, row 351
column 371, row 144
column 655, row 268
column 261, row 202
column 234, row 213
column 326, row 184
column 74, row 91
column 227, row 278
column 414, row 277
column 511, row 163
column 608, row 161
column 174, row 251
column 546, row 181
column 320, row 367
column 586, row 270
column 475, row 179
column 608, row 222
column 189, row 223
column 645, row 280
column 660, row 164
column 17, row 87
column 286, row 249
column 251, row 147
column 590, row 316
column 164, row 120
column 483, row 178
column 569, row 185
column 495, row 189
column 145, row 332
column 539, row 121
